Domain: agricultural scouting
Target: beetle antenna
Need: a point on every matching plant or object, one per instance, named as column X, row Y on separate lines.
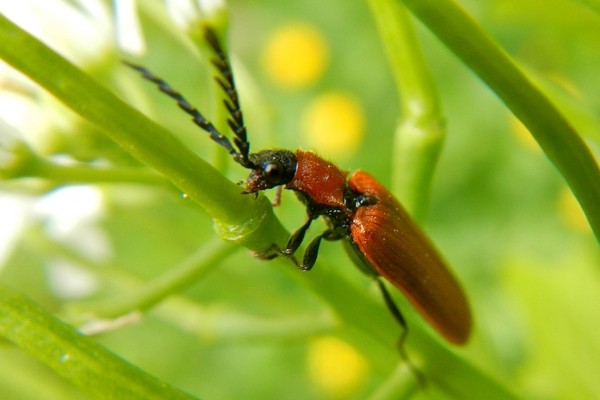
column 232, row 102
column 197, row 117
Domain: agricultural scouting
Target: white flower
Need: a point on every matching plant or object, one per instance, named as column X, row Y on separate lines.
column 186, row 13
column 81, row 30
column 129, row 33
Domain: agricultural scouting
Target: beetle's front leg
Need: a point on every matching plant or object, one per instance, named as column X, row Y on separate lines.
column 291, row 246
column 310, row 254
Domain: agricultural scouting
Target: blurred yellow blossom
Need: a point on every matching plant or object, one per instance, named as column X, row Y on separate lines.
column 295, row 55
column 333, row 123
column 336, row 367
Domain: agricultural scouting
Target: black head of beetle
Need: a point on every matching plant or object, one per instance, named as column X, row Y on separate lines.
column 270, row 168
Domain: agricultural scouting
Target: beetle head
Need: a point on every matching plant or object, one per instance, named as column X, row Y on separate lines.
column 270, row 168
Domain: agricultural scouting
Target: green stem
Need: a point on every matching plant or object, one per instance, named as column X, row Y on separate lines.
column 204, row 260
column 559, row 140
column 230, row 326
column 420, row 132
column 83, row 173
column 77, row 358
column 399, row 385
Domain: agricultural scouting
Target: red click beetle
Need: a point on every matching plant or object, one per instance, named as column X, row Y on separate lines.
column 358, row 209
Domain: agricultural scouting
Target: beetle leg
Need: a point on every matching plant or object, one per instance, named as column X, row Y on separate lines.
column 277, row 200
column 389, row 302
column 312, row 250
column 393, row 308
column 296, row 239
column 290, row 248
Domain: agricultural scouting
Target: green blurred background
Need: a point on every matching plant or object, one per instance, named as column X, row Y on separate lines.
column 499, row 212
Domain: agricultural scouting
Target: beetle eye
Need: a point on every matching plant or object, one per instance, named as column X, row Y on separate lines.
column 273, row 170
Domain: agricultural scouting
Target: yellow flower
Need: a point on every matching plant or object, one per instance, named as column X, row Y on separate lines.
column 295, row 56
column 333, row 124
column 336, row 367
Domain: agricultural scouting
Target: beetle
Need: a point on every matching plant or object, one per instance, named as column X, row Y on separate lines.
column 379, row 234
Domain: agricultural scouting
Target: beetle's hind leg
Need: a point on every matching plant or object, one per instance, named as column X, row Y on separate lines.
column 393, row 308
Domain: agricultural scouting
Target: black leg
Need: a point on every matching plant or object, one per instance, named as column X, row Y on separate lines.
column 296, row 239
column 312, row 250
column 404, row 332
column 310, row 255
column 277, row 200
column 290, row 248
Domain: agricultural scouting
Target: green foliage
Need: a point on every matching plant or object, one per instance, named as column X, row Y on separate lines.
column 184, row 307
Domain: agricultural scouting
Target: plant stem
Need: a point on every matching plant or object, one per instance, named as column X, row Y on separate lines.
column 84, row 173
column 174, row 280
column 398, row 386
